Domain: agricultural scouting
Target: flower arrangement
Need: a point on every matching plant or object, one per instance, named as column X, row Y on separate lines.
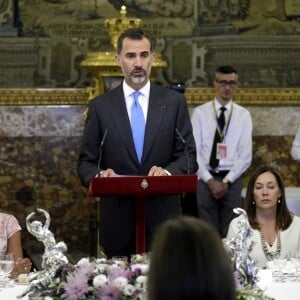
column 116, row 279
column 100, row 279
column 250, row 293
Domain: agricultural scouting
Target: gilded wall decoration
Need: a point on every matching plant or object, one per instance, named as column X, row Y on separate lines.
column 85, row 18
column 165, row 8
column 257, row 97
column 79, row 18
column 260, row 38
column 6, row 10
column 8, row 18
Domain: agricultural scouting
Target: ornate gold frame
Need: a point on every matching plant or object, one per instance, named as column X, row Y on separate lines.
column 37, row 96
column 195, row 96
column 249, row 96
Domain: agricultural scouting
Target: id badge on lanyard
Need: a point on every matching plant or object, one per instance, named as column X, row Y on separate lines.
column 222, row 147
column 221, row 150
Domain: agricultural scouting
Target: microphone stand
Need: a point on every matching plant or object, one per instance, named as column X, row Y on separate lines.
column 92, row 222
column 101, row 149
column 185, row 149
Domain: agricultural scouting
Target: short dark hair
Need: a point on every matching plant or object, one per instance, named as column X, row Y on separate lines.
column 188, row 261
column 283, row 216
column 226, row 70
column 133, row 34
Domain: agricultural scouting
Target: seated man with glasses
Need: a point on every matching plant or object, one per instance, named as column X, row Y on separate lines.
column 223, row 134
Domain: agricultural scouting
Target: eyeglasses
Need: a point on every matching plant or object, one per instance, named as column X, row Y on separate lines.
column 223, row 83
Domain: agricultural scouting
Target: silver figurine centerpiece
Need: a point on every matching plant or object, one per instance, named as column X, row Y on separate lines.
column 53, row 259
column 239, row 249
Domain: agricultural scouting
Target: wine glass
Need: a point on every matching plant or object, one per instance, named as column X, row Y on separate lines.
column 7, row 262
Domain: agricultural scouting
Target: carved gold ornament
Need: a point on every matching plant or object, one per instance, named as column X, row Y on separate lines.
column 194, row 96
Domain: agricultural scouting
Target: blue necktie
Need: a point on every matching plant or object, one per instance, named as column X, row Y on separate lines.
column 137, row 125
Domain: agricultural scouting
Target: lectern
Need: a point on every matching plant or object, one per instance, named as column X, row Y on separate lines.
column 140, row 187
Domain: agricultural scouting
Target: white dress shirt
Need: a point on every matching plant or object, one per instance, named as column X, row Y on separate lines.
column 143, row 98
column 238, row 139
column 289, row 240
column 295, row 151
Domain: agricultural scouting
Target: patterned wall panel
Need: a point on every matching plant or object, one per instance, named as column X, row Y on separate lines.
column 39, row 152
column 261, row 38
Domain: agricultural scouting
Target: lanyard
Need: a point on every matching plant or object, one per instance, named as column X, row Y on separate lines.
column 227, row 122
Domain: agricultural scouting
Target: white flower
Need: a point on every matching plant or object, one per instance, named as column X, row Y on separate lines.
column 99, row 280
column 128, row 290
column 106, row 274
column 101, row 267
column 120, row 283
column 83, row 261
column 138, row 257
column 143, row 267
column 141, row 282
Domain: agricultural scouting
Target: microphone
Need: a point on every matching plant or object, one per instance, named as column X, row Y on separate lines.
column 180, row 137
column 101, row 148
column 185, row 146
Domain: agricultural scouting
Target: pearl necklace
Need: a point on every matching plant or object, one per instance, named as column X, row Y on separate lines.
column 270, row 255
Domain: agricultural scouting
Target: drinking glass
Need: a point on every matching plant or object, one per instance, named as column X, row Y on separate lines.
column 279, row 269
column 6, row 265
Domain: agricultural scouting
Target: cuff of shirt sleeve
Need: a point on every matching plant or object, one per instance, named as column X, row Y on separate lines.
column 168, row 173
column 205, row 176
column 99, row 174
column 226, row 180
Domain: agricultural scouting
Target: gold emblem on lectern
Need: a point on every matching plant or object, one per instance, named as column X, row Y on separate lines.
column 144, row 184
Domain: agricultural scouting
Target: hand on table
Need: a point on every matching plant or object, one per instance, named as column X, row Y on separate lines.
column 22, row 266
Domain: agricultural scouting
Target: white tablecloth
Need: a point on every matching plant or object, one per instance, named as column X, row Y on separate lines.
column 289, row 290
column 284, row 291
column 279, row 291
column 11, row 293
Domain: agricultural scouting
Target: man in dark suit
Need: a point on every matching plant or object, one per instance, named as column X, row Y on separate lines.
column 165, row 115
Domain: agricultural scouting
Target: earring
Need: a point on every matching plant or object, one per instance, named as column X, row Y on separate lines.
column 278, row 200
column 253, row 203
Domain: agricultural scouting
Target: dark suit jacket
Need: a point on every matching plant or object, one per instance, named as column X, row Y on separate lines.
column 162, row 147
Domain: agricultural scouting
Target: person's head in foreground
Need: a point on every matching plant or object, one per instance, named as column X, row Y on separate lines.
column 188, row 261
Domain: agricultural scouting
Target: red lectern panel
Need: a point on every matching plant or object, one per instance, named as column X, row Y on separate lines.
column 141, row 186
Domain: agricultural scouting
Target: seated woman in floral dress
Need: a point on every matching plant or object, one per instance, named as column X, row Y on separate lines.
column 10, row 242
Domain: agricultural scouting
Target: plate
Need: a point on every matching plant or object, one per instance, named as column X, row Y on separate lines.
column 16, row 281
